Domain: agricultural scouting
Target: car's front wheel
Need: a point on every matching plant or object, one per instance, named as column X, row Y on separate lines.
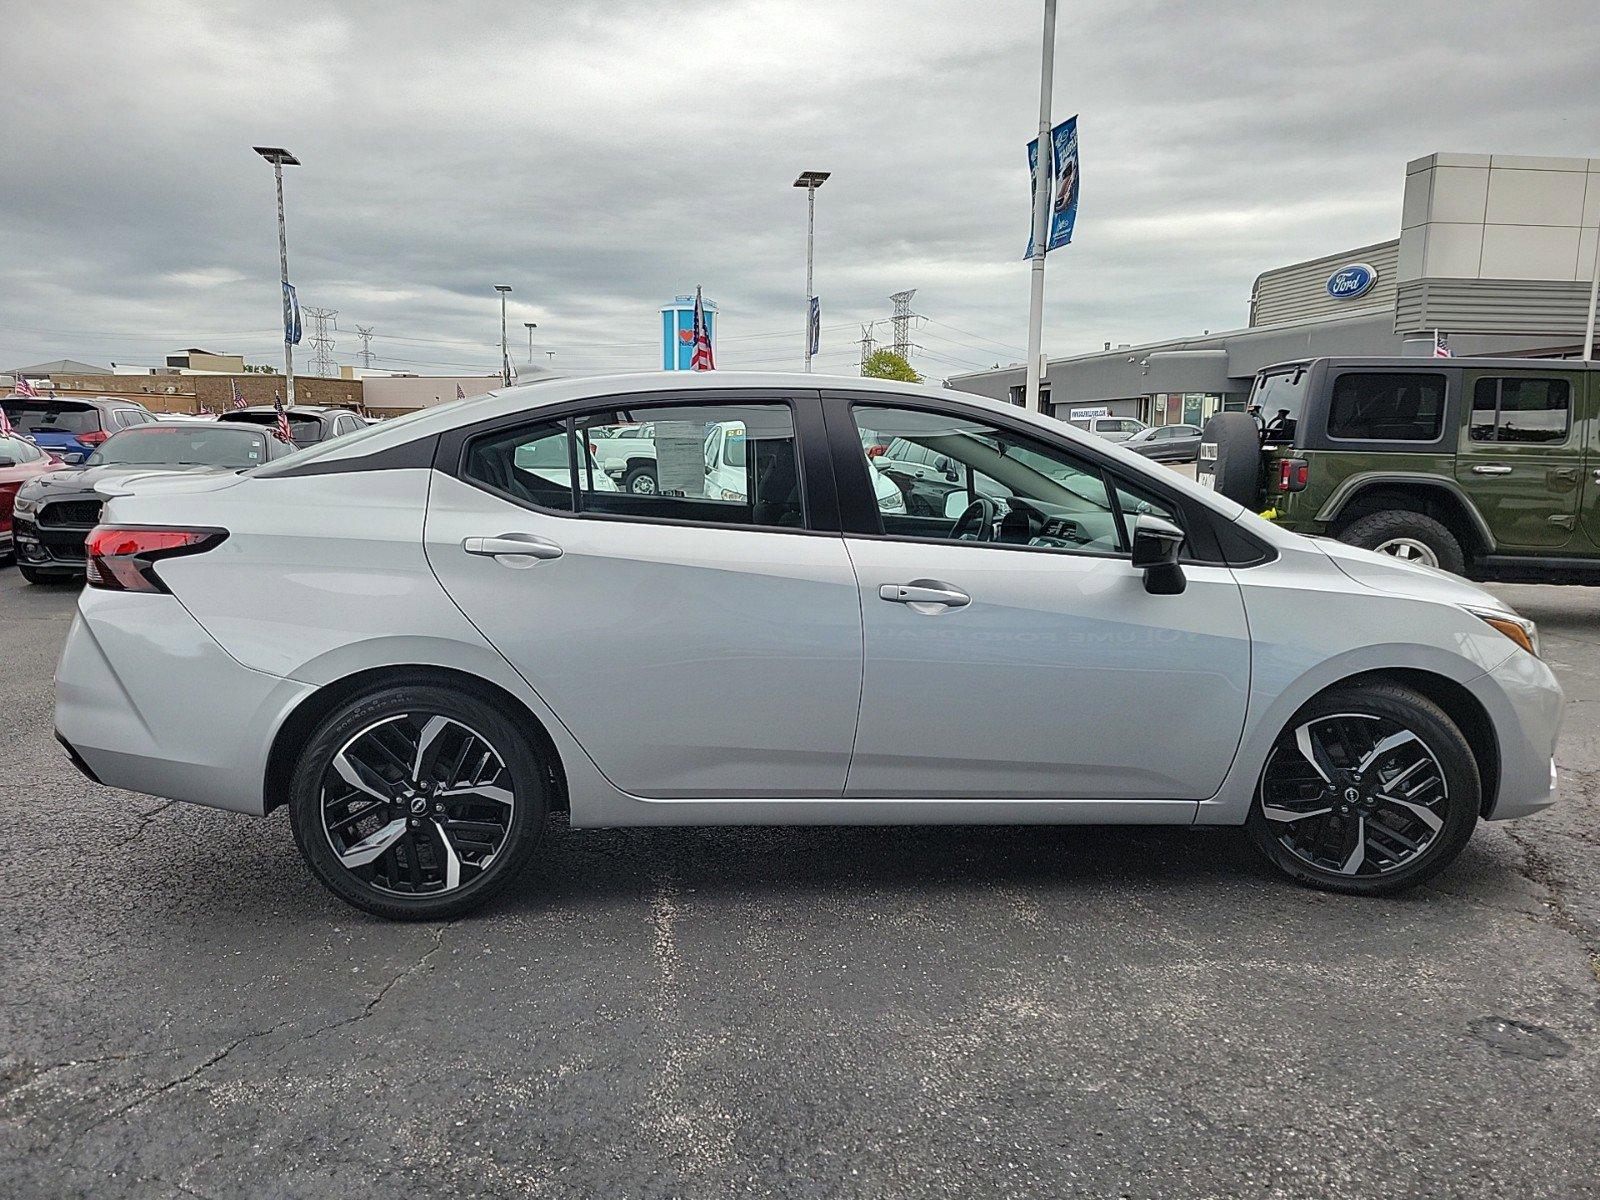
column 417, row 802
column 1369, row 790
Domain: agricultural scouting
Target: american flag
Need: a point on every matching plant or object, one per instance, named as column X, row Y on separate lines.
column 701, row 359
column 238, row 396
column 460, row 394
column 1440, row 350
column 282, row 429
column 5, row 424
column 23, row 388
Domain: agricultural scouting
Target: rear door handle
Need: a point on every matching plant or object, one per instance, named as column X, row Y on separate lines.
column 924, row 593
column 523, row 545
column 1487, row 470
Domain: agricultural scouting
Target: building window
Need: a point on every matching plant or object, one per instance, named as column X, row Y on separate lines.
column 1521, row 410
column 1399, row 406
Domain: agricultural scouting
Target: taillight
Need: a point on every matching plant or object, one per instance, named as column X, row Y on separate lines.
column 122, row 558
column 1293, row 474
column 94, row 437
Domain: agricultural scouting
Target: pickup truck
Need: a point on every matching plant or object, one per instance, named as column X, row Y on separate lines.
column 1484, row 467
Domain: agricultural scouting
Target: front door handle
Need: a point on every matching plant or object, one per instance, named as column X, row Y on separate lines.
column 1491, row 470
column 924, row 592
column 523, row 545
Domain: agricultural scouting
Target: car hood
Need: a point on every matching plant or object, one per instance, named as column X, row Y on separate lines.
column 1385, row 573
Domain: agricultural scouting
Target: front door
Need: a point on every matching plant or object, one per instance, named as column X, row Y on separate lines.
column 1011, row 648
column 1521, row 455
column 698, row 641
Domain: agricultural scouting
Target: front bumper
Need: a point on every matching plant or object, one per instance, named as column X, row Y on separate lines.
column 146, row 700
column 49, row 547
column 1524, row 702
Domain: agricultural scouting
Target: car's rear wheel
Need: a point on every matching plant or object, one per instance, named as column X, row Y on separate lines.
column 641, row 481
column 1368, row 790
column 1413, row 536
column 417, row 802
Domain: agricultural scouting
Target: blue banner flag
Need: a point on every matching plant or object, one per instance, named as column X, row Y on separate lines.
column 1063, row 183
column 814, row 326
column 291, row 315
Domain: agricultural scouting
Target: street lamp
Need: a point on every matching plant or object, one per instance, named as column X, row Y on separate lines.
column 811, row 181
column 505, row 349
column 281, row 158
column 531, row 325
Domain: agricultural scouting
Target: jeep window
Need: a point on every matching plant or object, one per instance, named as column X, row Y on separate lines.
column 1521, row 410
column 1399, row 406
column 1282, row 397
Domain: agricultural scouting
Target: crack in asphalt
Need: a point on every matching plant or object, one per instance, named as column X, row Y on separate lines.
column 144, row 823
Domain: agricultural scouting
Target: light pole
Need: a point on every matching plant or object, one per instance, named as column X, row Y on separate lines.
column 1041, row 209
column 280, row 158
column 532, row 325
column 811, row 181
column 505, row 349
column 1594, row 300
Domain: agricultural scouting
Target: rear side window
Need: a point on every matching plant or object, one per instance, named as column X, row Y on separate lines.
column 1399, row 406
column 1521, row 410
column 529, row 463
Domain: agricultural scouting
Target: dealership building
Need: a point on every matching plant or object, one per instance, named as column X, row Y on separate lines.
column 1494, row 256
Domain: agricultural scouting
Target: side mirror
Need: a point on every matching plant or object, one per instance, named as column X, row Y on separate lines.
column 7, row 461
column 1156, row 546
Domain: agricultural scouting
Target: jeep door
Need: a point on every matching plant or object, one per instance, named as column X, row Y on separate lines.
column 1521, row 454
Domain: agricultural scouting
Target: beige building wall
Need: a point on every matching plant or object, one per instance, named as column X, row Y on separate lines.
column 406, row 393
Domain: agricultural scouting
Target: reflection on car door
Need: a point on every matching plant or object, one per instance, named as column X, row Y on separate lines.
column 1059, row 677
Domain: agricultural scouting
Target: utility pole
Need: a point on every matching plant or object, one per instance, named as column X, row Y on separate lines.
column 322, row 320
column 364, row 332
column 281, row 158
column 505, row 349
column 866, row 344
column 902, row 322
column 531, row 325
column 811, row 181
column 1041, row 210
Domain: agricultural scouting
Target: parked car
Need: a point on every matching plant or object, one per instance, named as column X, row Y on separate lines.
column 71, row 429
column 1167, row 443
column 20, row 461
column 627, row 453
column 422, row 649
column 1113, row 429
column 1478, row 466
column 308, row 423
column 55, row 512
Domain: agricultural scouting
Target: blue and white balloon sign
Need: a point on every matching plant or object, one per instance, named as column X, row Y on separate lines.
column 1349, row 282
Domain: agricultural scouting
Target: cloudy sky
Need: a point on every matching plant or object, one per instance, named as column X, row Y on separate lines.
column 602, row 156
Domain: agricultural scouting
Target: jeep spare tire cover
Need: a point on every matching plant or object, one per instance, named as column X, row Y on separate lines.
column 1230, row 458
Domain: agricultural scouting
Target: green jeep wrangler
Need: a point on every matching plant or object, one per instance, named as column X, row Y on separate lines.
column 1486, row 467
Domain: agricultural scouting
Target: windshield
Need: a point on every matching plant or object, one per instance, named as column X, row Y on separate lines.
column 1282, row 397
column 182, row 446
column 36, row 416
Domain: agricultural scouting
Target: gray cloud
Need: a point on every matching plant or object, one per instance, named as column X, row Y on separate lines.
column 602, row 157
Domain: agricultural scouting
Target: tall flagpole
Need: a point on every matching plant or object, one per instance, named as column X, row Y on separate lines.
column 1041, row 209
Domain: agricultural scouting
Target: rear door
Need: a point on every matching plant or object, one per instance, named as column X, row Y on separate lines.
column 700, row 641
column 1521, row 454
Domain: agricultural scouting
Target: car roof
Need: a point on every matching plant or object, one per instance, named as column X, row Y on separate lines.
column 296, row 410
column 87, row 401
column 257, row 430
column 1428, row 361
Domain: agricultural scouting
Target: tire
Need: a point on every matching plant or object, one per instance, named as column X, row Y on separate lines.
column 1410, row 535
column 641, row 481
column 1308, row 849
column 410, row 879
column 1230, row 452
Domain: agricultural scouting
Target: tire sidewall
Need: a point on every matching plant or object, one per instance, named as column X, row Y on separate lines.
column 528, row 786
column 1449, row 746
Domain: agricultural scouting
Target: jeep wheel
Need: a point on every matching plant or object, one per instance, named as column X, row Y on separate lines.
column 1412, row 536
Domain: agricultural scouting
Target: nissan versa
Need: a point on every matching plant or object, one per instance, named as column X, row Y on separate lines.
column 423, row 647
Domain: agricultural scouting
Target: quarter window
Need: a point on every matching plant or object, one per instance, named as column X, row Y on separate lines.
column 1001, row 486
column 1521, row 410
column 1400, row 406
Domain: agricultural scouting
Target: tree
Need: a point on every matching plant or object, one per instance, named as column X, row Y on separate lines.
column 886, row 364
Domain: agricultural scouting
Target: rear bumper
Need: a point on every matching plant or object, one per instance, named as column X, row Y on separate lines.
column 1524, row 701
column 147, row 701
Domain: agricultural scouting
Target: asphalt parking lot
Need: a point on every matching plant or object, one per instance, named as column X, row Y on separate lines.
column 851, row 1012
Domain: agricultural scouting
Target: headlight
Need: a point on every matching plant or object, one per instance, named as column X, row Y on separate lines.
column 1519, row 629
column 892, row 504
column 24, row 505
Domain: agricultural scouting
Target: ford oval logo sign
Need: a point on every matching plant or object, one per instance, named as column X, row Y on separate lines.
column 1355, row 280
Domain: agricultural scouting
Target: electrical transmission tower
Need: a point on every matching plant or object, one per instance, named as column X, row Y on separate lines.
column 364, row 332
column 866, row 344
column 323, row 322
column 902, row 322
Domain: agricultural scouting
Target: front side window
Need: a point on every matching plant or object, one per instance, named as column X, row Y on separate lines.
column 1377, row 406
column 1521, row 410
column 1001, row 486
